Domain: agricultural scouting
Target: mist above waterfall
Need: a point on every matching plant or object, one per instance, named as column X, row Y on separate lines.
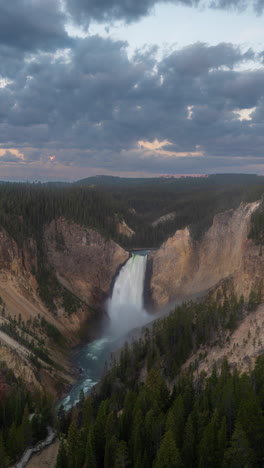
column 126, row 306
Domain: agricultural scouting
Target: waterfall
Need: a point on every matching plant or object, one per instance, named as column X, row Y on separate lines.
column 126, row 311
column 126, row 306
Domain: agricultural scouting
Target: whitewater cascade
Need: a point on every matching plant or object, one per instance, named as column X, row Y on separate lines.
column 126, row 306
column 126, row 311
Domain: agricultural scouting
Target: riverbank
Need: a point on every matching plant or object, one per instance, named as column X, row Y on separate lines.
column 47, row 458
column 40, row 447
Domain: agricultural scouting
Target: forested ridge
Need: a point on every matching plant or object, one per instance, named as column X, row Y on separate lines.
column 99, row 203
column 169, row 418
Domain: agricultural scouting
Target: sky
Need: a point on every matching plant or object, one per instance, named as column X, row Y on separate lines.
column 134, row 88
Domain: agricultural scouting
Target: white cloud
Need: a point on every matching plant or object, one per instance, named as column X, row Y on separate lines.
column 244, row 114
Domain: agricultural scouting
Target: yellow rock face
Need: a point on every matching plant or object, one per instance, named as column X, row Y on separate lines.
column 183, row 267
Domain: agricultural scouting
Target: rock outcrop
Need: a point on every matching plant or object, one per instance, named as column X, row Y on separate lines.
column 84, row 261
column 183, row 267
column 124, row 229
column 164, row 219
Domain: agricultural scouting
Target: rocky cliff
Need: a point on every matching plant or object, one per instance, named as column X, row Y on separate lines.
column 183, row 267
column 84, row 261
column 84, row 264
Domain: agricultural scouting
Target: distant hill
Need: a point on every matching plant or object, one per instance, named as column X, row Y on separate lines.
column 183, row 182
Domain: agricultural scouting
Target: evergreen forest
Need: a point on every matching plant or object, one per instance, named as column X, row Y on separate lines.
column 147, row 412
column 101, row 202
column 24, row 416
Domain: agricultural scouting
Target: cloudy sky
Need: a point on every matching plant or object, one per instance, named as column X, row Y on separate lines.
column 130, row 87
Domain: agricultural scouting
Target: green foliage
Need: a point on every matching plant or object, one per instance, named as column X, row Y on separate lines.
column 168, row 455
column 221, row 425
column 27, row 338
column 95, row 203
column 71, row 303
column 255, row 297
column 24, row 417
column 256, row 232
column 52, row 332
column 215, row 422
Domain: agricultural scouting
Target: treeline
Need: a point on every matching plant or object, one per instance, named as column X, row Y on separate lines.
column 24, row 417
column 26, row 208
column 135, row 421
column 194, row 200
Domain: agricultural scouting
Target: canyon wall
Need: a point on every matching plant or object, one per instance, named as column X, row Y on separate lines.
column 183, row 267
column 84, row 263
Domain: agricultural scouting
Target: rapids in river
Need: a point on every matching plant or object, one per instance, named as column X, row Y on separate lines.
column 126, row 311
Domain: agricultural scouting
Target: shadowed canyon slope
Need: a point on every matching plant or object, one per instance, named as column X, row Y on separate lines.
column 183, row 266
column 84, row 263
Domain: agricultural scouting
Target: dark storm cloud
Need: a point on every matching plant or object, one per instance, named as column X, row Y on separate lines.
column 84, row 11
column 31, row 25
column 92, row 107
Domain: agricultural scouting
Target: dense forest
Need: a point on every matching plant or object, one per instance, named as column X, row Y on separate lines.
column 101, row 202
column 24, row 416
column 209, row 423
column 171, row 419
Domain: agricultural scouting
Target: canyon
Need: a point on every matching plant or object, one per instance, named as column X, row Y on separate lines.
column 85, row 265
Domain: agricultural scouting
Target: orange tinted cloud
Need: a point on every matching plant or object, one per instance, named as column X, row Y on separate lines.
column 14, row 151
column 157, row 147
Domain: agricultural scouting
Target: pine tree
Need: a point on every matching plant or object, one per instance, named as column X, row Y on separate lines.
column 221, row 441
column 239, row 454
column 153, row 431
column 208, row 444
column 12, row 445
column 90, row 455
column 110, row 451
column 127, row 415
column 252, row 422
column 61, row 461
column 3, row 456
column 26, row 427
column 168, row 455
column 137, row 439
column 176, row 420
column 189, row 443
column 100, row 431
column 74, row 447
column 122, row 459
